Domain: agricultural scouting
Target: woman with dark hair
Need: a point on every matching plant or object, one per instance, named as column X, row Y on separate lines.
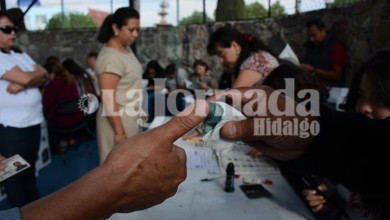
column 62, row 87
column 20, row 112
column 369, row 94
column 247, row 59
column 153, row 70
column 83, row 79
column 120, row 80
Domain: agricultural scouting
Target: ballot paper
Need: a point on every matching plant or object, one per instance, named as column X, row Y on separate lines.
column 245, row 164
column 213, row 139
column 14, row 165
column 226, row 151
column 198, row 157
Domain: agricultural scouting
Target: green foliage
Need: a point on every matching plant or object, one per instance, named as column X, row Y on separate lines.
column 72, row 20
column 255, row 10
column 229, row 10
column 195, row 18
column 277, row 9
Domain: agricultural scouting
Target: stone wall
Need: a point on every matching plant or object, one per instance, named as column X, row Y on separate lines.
column 363, row 28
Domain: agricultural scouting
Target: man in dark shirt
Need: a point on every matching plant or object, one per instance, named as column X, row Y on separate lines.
column 323, row 56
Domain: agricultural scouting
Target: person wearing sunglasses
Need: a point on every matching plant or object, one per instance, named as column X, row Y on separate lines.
column 20, row 111
column 8, row 29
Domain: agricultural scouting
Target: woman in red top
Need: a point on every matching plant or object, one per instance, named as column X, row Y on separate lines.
column 62, row 87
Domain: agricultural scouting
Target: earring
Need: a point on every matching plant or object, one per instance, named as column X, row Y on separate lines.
column 238, row 53
column 116, row 34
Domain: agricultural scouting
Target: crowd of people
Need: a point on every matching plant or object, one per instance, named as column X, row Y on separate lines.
column 354, row 140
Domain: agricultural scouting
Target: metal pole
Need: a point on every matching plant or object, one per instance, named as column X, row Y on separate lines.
column 136, row 7
column 297, row 6
column 111, row 6
column 3, row 6
column 269, row 8
column 177, row 12
column 29, row 7
column 204, row 11
column 62, row 14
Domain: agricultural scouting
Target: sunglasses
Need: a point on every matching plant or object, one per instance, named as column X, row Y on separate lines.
column 9, row 29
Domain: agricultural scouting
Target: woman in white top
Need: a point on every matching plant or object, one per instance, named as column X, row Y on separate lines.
column 20, row 112
column 120, row 80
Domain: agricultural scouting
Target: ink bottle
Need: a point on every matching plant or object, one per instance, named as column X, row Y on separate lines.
column 229, row 184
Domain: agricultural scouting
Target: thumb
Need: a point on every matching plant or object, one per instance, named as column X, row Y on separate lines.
column 185, row 121
column 242, row 130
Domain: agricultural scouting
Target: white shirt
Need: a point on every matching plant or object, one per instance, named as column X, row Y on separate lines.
column 182, row 77
column 23, row 109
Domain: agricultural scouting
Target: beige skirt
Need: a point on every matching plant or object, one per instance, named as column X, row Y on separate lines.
column 106, row 135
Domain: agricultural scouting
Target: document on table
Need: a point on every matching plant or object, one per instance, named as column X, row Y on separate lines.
column 198, row 157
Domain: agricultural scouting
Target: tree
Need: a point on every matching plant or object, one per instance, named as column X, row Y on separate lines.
column 255, row 10
column 195, row 18
column 228, row 10
column 277, row 9
column 73, row 20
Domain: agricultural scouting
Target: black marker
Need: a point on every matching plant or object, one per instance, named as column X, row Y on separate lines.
column 229, row 184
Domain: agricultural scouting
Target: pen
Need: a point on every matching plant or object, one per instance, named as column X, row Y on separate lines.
column 211, row 179
column 236, row 176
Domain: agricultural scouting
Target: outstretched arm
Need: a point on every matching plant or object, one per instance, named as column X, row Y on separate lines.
column 126, row 181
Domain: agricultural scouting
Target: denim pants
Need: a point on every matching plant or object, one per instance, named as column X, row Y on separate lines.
column 22, row 188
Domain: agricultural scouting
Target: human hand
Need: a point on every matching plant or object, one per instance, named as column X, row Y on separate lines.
column 316, row 202
column 2, row 165
column 41, row 75
column 149, row 167
column 14, row 88
column 42, row 72
column 118, row 138
column 204, row 85
column 306, row 67
column 254, row 153
column 139, row 173
column 264, row 106
column 197, row 132
column 39, row 69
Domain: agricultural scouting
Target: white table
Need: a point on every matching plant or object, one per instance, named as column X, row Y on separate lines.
column 196, row 200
